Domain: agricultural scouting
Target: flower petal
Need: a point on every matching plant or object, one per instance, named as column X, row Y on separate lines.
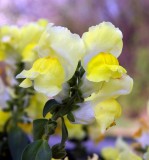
column 102, row 38
column 28, row 74
column 48, row 76
column 106, row 112
column 85, row 114
column 113, row 89
column 61, row 43
column 26, row 83
column 103, row 67
column 51, row 77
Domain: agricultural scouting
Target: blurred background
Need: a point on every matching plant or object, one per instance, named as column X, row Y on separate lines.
column 131, row 16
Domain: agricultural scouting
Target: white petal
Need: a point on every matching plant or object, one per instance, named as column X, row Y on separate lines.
column 85, row 114
column 102, row 38
column 113, row 89
column 28, row 74
column 61, row 43
column 42, row 86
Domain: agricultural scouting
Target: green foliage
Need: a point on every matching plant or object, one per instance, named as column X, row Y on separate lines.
column 37, row 150
column 50, row 106
column 58, row 151
column 70, row 117
column 39, row 128
column 17, row 141
column 64, row 132
column 50, row 127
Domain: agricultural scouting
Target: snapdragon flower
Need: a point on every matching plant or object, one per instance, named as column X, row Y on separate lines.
column 59, row 52
column 19, row 43
column 105, row 79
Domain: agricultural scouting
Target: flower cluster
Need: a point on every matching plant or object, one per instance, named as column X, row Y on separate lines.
column 82, row 70
column 18, row 43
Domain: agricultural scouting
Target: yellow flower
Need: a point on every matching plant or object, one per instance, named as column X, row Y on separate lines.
column 121, row 152
column 9, row 38
column 19, row 42
column 102, row 106
column 105, row 79
column 103, row 45
column 30, row 35
column 4, row 116
column 59, row 51
column 37, row 101
column 75, row 130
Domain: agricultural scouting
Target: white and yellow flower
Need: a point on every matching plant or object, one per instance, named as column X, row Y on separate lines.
column 102, row 106
column 59, row 51
column 18, row 43
column 29, row 37
column 103, row 45
column 9, row 38
column 105, row 79
column 121, row 152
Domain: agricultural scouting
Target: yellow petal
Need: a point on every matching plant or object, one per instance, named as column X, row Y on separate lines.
column 128, row 155
column 2, row 56
column 26, row 127
column 106, row 112
column 59, row 42
column 103, row 67
column 4, row 116
column 110, row 153
column 42, row 22
column 48, row 75
column 37, row 101
column 28, row 54
column 102, row 38
column 75, row 130
column 26, row 83
column 112, row 89
column 31, row 74
column 30, row 34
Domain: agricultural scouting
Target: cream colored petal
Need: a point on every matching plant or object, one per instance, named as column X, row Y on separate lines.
column 63, row 94
column 26, row 83
column 75, row 130
column 106, row 112
column 48, row 84
column 128, row 155
column 28, row 74
column 29, row 54
column 4, row 116
column 113, row 89
column 61, row 43
column 88, row 88
column 102, row 38
column 110, row 153
column 85, row 114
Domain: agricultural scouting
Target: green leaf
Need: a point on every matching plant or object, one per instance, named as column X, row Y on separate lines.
column 64, row 132
column 70, row 117
column 50, row 127
column 75, row 107
column 37, row 150
column 58, row 151
column 17, row 141
column 50, row 106
column 39, row 128
column 82, row 71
